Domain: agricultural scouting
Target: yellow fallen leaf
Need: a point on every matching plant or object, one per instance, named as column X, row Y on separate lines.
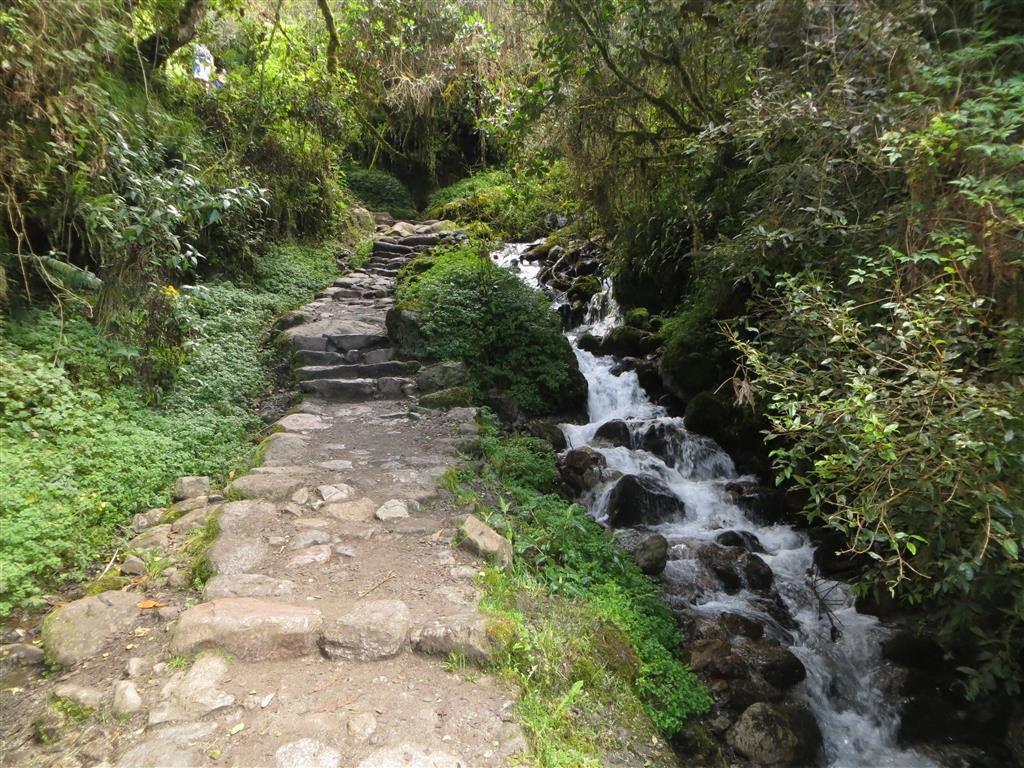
column 142, row 631
column 214, row 753
column 237, row 728
column 150, row 604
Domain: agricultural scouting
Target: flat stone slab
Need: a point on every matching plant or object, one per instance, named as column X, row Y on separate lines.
column 303, row 422
column 247, row 585
column 190, row 487
column 174, row 747
column 464, row 633
column 355, row 510
column 374, row 629
column 235, row 553
column 395, row 509
column 249, row 628
column 412, row 756
column 190, row 695
column 82, row 629
column 315, row 555
column 307, row 753
column 275, row 487
column 284, row 448
column 156, row 538
column 245, row 516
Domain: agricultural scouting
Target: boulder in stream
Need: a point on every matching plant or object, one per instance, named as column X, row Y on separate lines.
column 776, row 735
column 637, row 500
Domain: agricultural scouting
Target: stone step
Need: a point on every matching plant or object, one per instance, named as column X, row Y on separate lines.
column 359, row 370
column 351, row 341
column 385, row 272
column 388, row 248
column 356, row 390
column 420, row 240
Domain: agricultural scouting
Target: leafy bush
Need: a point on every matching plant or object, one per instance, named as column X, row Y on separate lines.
column 381, row 191
column 81, row 449
column 896, row 403
column 506, row 333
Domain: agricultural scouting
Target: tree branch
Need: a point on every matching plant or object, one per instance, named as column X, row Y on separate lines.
column 333, row 43
column 158, row 47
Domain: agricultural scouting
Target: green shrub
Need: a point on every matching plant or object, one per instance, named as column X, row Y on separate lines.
column 82, row 450
column 506, row 333
column 381, row 191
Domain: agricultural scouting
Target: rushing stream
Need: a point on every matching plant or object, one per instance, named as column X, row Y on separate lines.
column 849, row 688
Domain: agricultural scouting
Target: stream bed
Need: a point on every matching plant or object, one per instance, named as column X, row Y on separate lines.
column 848, row 687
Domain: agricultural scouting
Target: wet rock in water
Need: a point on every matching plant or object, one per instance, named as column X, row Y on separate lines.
column 663, row 440
column 649, row 550
column 910, row 650
column 628, row 342
column 307, row 753
column 82, row 629
column 582, row 468
column 546, row 430
column 763, row 505
column 716, row 659
column 776, row 735
column 736, row 624
column 757, row 573
column 639, row 500
column 744, row 539
column 736, row 568
column 614, row 433
column 778, row 666
column 481, row 539
column 830, row 557
column 374, row 629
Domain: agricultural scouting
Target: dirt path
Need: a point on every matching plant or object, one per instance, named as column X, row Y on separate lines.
column 334, row 629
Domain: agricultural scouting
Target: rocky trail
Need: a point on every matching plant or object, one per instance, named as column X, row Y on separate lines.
column 339, row 625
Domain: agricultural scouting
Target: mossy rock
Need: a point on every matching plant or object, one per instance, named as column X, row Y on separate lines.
column 588, row 342
column 625, row 341
column 706, row 414
column 452, row 397
column 584, row 288
column 403, row 326
column 639, row 318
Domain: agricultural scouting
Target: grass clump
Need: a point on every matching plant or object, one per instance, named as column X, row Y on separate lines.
column 508, row 336
column 515, row 206
column 584, row 633
column 380, row 191
column 84, row 446
column 197, row 547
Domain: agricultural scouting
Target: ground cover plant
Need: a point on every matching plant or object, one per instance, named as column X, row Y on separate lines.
column 585, row 634
column 86, row 446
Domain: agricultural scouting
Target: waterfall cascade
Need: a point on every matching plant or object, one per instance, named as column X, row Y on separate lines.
column 848, row 687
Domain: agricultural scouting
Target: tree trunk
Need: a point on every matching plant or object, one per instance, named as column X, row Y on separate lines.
column 333, row 44
column 159, row 46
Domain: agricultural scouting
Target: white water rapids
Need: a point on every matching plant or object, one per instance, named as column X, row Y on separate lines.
column 849, row 687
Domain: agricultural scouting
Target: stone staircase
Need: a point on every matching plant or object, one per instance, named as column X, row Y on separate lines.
column 341, row 340
column 339, row 614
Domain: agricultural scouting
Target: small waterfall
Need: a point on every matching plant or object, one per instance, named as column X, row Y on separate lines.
column 849, row 688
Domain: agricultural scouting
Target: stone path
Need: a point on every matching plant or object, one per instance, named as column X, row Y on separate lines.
column 323, row 637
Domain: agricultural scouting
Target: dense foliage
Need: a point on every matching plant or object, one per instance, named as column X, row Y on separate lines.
column 507, row 334
column 864, row 158
column 587, row 631
column 82, row 449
